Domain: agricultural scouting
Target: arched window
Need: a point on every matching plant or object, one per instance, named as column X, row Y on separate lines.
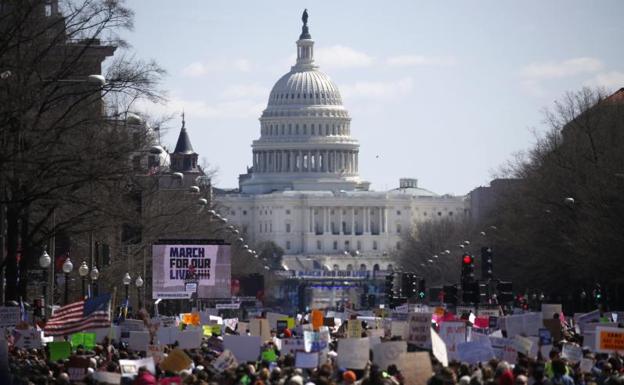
column 363, row 267
column 376, row 267
column 349, row 267
column 390, row 267
column 336, row 267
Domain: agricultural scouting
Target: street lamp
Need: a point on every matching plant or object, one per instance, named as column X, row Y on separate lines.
column 44, row 262
column 68, row 266
column 126, row 281
column 139, row 284
column 83, row 271
column 95, row 274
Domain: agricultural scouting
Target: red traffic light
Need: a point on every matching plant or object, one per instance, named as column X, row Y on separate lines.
column 467, row 260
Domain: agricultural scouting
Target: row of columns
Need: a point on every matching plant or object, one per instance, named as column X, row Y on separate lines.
column 335, row 161
column 368, row 220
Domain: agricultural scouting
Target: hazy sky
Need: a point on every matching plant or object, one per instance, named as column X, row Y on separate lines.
column 442, row 91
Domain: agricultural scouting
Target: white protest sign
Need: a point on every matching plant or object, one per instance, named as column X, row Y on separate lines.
column 291, row 345
column 129, row 368
column 138, row 341
column 388, row 353
column 545, row 350
column 532, row 322
column 399, row 329
column 573, row 353
column 549, row 310
column 9, row 316
column 273, row 318
column 504, row 349
column 260, row 327
column 589, row 339
column 475, row 351
column 244, row 348
column 514, row 325
column 586, row 365
column 107, row 378
column 306, row 360
column 242, row 327
column 167, row 335
column 27, row 338
column 419, row 325
column 523, row 345
column 587, row 318
column 190, row 339
column 225, row 361
column 230, row 323
column 353, row 353
column 101, row 333
column 453, row 333
column 438, row 347
column 416, row 368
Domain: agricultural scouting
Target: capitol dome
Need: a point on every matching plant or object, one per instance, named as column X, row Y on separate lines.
column 305, row 133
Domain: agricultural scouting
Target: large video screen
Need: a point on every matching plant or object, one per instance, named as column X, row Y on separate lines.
column 183, row 267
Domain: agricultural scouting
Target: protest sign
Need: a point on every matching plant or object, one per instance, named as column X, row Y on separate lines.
column 573, row 353
column 545, row 350
column 9, row 316
column 225, row 361
column 273, row 318
column 609, row 340
column 230, row 323
column 387, row 353
column 138, row 341
column 354, row 328
column 549, row 310
column 438, row 348
column 190, row 319
column 554, row 327
column 190, row 339
column 244, row 348
column 156, row 352
column 112, row 332
column 353, row 353
column 268, row 355
column 416, row 368
column 77, row 368
column 504, row 349
column 130, row 368
column 586, row 318
column 130, row 325
column 282, row 325
column 399, row 329
column 523, row 345
column 260, row 327
column 87, row 340
column 167, row 335
column 27, row 338
column 586, row 365
column 291, row 345
column 59, row 350
column 474, row 352
column 306, row 360
column 419, row 333
column 453, row 333
column 175, row 361
column 107, row 378
column 532, row 322
column 545, row 338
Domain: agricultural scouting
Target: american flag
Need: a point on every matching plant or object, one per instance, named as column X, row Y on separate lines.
column 82, row 315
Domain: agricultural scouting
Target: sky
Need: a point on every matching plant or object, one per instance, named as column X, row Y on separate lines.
column 443, row 91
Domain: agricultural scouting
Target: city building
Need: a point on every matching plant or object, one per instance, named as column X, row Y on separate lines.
column 303, row 190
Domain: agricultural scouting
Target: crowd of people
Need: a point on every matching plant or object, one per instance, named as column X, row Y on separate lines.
column 33, row 366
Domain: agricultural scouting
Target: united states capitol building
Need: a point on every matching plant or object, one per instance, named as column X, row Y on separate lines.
column 303, row 190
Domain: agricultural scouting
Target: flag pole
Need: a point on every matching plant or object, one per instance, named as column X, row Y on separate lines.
column 111, row 305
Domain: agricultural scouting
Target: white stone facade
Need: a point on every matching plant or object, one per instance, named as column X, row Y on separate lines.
column 303, row 191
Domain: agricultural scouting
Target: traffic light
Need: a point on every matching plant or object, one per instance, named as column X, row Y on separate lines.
column 450, row 294
column 409, row 285
column 467, row 271
column 505, row 292
column 598, row 296
column 389, row 290
column 422, row 289
column 487, row 270
column 470, row 292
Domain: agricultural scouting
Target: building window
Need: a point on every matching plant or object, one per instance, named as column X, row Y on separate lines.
column 398, row 228
column 376, row 267
column 390, row 267
column 359, row 245
column 450, row 213
column 335, row 245
column 287, row 212
column 244, row 212
column 374, row 245
column 287, row 245
column 271, row 227
column 349, row 267
column 398, row 245
column 425, row 214
column 288, row 227
column 260, row 230
column 398, row 212
column 347, row 245
column 439, row 213
column 336, row 267
column 319, row 246
column 363, row 267
column 232, row 212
